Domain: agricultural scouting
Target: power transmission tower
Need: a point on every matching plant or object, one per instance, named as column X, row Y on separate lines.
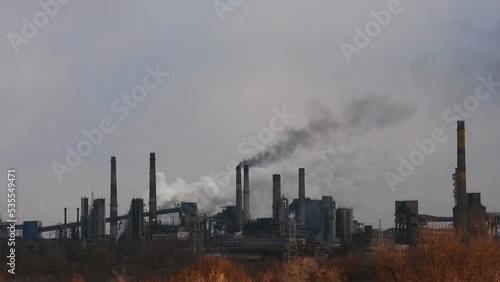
column 291, row 249
column 197, row 235
column 380, row 234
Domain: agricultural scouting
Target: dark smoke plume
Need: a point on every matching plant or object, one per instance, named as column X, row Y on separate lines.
column 365, row 113
column 377, row 111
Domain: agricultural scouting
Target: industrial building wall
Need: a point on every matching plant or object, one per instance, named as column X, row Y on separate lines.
column 30, row 230
column 136, row 225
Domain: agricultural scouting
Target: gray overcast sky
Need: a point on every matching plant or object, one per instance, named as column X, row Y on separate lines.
column 226, row 77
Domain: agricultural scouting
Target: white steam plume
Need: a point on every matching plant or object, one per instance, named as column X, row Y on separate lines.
column 123, row 228
column 205, row 192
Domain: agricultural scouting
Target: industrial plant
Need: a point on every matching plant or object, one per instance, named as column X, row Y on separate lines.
column 299, row 227
column 469, row 215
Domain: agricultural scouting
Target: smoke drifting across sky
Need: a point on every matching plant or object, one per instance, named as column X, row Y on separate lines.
column 224, row 74
column 360, row 115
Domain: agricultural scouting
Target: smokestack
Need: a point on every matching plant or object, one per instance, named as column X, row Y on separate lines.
column 461, row 175
column 239, row 211
column 461, row 171
column 246, row 194
column 302, row 197
column 276, row 197
column 65, row 222
column 84, row 218
column 460, row 215
column 77, row 228
column 113, row 207
column 152, row 188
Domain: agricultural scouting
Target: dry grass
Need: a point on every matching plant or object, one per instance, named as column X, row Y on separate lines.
column 211, row 270
column 77, row 278
column 155, row 278
column 304, row 269
column 437, row 256
column 308, row 269
column 441, row 256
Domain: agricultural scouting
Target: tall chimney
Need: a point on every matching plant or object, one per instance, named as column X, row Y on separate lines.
column 65, row 222
column 85, row 218
column 246, row 194
column 239, row 210
column 302, row 197
column 113, row 207
column 152, row 188
column 460, row 210
column 276, row 197
column 461, row 171
column 77, row 228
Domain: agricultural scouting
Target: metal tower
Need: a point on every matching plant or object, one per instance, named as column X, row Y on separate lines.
column 197, row 235
column 380, row 234
column 291, row 249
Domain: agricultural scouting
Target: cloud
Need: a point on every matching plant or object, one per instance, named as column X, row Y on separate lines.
column 227, row 77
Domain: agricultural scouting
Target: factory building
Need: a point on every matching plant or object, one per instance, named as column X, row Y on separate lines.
column 407, row 222
column 345, row 225
column 303, row 221
column 469, row 215
column 30, row 230
column 84, row 218
column 295, row 226
column 316, row 219
column 135, row 228
column 97, row 219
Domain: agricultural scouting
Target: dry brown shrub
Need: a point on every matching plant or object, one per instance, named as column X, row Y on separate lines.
column 308, row 269
column 77, row 278
column 436, row 256
column 391, row 265
column 441, row 256
column 338, row 269
column 481, row 260
column 265, row 276
column 211, row 270
column 303, row 269
column 155, row 278
column 119, row 278
column 327, row 274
